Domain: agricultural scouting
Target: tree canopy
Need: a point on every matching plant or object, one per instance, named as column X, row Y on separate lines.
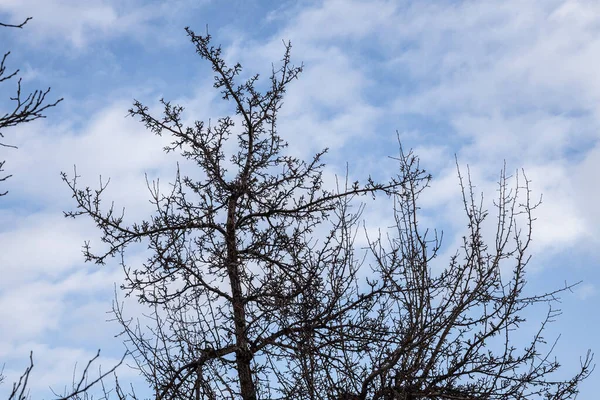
column 258, row 291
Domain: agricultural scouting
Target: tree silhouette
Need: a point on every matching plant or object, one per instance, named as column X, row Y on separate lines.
column 258, row 291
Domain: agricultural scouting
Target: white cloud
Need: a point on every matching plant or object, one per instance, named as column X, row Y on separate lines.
column 45, row 286
column 339, row 19
column 45, row 302
column 84, row 22
column 109, row 145
column 39, row 245
column 586, row 291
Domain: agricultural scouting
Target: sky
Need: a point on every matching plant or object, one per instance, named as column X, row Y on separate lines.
column 489, row 82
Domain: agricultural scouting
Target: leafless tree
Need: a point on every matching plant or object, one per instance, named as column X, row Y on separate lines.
column 258, row 291
column 25, row 107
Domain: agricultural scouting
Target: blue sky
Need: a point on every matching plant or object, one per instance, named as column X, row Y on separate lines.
column 492, row 81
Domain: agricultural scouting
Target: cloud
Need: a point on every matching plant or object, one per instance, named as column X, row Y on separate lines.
column 586, row 291
column 516, row 82
column 82, row 23
column 337, row 19
column 104, row 146
column 47, row 294
column 45, row 315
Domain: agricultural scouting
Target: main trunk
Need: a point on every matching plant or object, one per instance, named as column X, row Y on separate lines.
column 243, row 355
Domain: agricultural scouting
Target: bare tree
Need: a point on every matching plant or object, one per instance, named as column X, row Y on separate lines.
column 258, row 291
column 26, row 107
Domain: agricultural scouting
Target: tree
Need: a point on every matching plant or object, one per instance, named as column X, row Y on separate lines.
column 26, row 108
column 257, row 290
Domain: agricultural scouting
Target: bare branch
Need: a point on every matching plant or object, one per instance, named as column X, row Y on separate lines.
column 21, row 25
